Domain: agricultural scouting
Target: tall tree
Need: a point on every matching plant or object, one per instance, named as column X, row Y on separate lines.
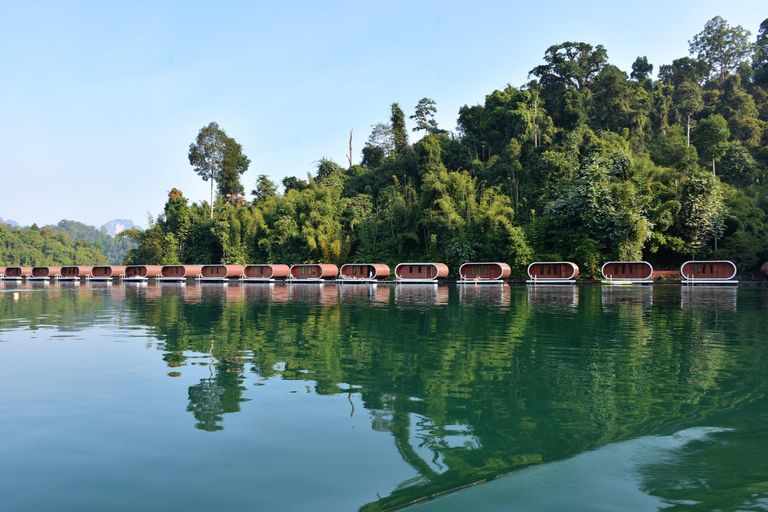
column 398, row 128
column 760, row 57
column 425, row 116
column 687, row 100
column 207, row 154
column 235, row 163
column 721, row 46
column 711, row 138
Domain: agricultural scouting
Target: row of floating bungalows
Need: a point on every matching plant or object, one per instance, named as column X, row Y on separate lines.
column 561, row 272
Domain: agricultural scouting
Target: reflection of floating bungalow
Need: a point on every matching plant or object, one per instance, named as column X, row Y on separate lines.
column 107, row 272
column 709, row 298
column 420, row 272
column 627, row 272
column 708, row 272
column 17, row 273
column 140, row 273
column 313, row 273
column 565, row 298
column 179, row 273
column 45, row 273
column 363, row 272
column 556, row 272
column 627, row 297
column 221, row 273
column 484, row 273
column 75, row 272
column 262, row 273
column 421, row 295
column 485, row 296
column 763, row 270
column 324, row 295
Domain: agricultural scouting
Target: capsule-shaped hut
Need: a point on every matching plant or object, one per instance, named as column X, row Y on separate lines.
column 763, row 270
column 708, row 272
column 627, row 272
column 313, row 272
column 265, row 273
column 17, row 273
column 179, row 273
column 484, row 273
column 363, row 272
column 75, row 272
column 560, row 272
column 45, row 273
column 220, row 273
column 140, row 273
column 107, row 272
column 420, row 272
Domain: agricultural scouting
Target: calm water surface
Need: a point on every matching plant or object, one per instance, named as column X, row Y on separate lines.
column 308, row 397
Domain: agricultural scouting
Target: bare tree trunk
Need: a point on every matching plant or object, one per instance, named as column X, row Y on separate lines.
column 211, row 198
column 350, row 147
column 689, row 130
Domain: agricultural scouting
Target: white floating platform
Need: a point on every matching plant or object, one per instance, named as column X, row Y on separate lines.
column 470, row 282
column 258, row 280
column 701, row 282
column 625, row 282
column 363, row 280
column 551, row 281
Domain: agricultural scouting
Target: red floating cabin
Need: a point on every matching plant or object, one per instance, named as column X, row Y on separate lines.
column 363, row 272
column 139, row 273
column 45, row 273
column 221, row 273
column 420, row 272
column 107, row 272
column 763, row 270
column 708, row 272
column 16, row 273
column 75, row 272
column 564, row 272
column 484, row 273
column 180, row 273
column 628, row 271
column 260, row 273
column 313, row 272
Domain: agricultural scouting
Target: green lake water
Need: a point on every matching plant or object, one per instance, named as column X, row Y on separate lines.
column 310, row 397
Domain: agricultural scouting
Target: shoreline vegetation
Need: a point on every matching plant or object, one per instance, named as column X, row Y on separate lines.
column 585, row 163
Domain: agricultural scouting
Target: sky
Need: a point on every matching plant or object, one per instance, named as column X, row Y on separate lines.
column 99, row 101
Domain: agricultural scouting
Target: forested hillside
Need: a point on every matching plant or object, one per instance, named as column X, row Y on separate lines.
column 31, row 246
column 114, row 248
column 586, row 162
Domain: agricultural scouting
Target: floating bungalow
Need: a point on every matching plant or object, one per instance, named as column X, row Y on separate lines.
column 484, row 273
column 17, row 273
column 552, row 272
column 363, row 272
column 627, row 272
column 179, row 273
column 708, row 272
column 220, row 273
column 107, row 272
column 2, row 272
column 265, row 273
column 75, row 272
column 141, row 273
column 313, row 273
column 420, row 272
column 45, row 273
column 763, row 270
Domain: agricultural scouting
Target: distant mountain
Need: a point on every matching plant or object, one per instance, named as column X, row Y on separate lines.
column 114, row 249
column 115, row 227
column 8, row 221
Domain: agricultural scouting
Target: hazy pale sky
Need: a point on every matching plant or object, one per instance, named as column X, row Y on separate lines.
column 99, row 101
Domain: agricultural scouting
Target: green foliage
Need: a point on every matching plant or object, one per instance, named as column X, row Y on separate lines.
column 113, row 248
column 584, row 163
column 32, row 247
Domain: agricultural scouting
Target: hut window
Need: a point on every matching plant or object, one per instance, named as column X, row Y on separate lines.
column 630, row 269
column 419, row 270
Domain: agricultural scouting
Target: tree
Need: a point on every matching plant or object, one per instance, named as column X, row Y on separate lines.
column 722, row 47
column 760, row 57
column 641, row 71
column 207, row 154
column 711, row 138
column 265, row 189
column 398, row 128
column 570, row 65
column 235, row 163
column 702, row 211
column 425, row 116
column 687, row 101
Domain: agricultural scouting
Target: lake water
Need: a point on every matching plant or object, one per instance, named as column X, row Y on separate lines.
column 310, row 397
